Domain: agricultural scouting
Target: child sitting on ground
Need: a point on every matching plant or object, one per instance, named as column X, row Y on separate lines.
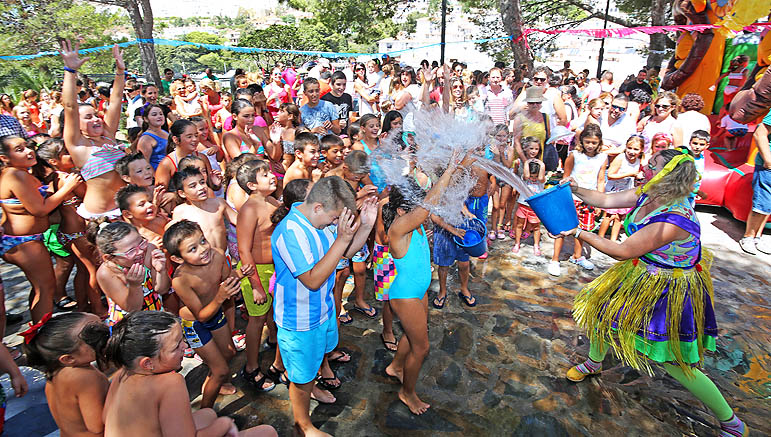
column 148, row 348
column 133, row 273
column 64, row 348
column 306, row 150
column 534, row 177
column 253, row 231
column 203, row 281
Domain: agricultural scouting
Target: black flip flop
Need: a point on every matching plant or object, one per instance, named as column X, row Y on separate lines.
column 467, row 299
column 441, row 301
column 386, row 343
column 323, row 382
column 257, row 384
column 278, row 375
column 66, row 303
column 341, row 358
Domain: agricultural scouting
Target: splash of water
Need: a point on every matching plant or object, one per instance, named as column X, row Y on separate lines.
column 438, row 135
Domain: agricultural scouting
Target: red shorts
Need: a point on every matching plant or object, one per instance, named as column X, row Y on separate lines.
column 527, row 213
column 586, row 218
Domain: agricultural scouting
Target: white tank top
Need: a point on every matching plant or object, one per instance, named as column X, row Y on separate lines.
column 615, row 185
column 586, row 168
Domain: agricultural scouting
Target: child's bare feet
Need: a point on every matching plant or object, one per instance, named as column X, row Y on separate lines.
column 394, row 372
column 413, row 402
column 321, row 395
column 228, row 389
column 310, row 432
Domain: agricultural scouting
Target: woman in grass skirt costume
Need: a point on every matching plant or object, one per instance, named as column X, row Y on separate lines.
column 656, row 303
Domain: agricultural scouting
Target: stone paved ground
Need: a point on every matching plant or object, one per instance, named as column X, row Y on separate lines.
column 498, row 369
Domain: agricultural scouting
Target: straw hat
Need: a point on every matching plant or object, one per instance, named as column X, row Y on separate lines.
column 534, row 94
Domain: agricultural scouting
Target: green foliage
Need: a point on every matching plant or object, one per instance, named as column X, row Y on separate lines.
column 304, row 36
column 31, row 26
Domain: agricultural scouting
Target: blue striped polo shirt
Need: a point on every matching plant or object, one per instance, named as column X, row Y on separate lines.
column 297, row 246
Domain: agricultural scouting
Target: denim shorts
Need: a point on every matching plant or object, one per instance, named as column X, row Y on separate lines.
column 446, row 252
column 761, row 190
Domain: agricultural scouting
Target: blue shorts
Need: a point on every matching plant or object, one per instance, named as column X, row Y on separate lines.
column 737, row 132
column 361, row 255
column 761, row 190
column 303, row 351
column 446, row 251
column 478, row 206
column 198, row 333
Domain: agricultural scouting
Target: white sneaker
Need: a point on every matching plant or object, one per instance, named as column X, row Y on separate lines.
column 553, row 268
column 748, row 245
column 583, row 262
column 763, row 245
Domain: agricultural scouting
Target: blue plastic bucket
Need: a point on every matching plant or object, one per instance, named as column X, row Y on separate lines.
column 475, row 241
column 555, row 208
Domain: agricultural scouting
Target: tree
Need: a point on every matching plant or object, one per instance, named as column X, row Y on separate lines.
column 141, row 14
column 304, row 36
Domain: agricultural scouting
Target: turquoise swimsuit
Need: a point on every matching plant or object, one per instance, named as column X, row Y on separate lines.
column 413, row 270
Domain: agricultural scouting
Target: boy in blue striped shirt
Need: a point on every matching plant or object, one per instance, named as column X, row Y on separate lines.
column 306, row 250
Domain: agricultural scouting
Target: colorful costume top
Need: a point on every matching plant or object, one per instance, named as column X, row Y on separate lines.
column 151, row 301
column 657, row 306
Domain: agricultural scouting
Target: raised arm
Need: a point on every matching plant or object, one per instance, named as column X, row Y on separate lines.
column 112, row 116
column 71, row 129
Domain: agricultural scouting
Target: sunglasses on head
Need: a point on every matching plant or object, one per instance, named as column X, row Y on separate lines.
column 618, row 108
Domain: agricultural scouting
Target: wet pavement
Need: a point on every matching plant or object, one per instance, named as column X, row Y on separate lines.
column 498, row 368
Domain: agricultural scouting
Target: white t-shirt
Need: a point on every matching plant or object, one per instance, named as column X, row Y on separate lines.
column 616, row 135
column 689, row 122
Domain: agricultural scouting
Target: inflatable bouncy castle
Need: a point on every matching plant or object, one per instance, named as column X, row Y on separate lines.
column 696, row 66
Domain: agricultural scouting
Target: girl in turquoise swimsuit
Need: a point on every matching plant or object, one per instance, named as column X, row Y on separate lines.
column 403, row 218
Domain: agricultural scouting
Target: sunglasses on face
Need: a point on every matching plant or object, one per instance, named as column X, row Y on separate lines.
column 618, row 108
column 539, row 79
column 457, row 87
column 662, row 106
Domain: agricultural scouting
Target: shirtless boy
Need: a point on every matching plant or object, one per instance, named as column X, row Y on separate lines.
column 135, row 169
column 332, row 149
column 203, row 281
column 306, row 150
column 253, row 230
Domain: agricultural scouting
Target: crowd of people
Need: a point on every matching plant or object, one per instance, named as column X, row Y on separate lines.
column 260, row 202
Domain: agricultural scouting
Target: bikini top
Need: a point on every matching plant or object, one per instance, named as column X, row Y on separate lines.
column 175, row 160
column 243, row 147
column 102, row 160
column 43, row 190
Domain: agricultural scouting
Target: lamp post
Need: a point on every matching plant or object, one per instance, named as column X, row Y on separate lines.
column 602, row 44
column 444, row 27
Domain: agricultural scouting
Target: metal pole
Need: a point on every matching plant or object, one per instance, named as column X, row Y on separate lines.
column 602, row 44
column 444, row 27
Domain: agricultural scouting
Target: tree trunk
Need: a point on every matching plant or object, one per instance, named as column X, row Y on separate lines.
column 512, row 23
column 141, row 15
column 658, row 41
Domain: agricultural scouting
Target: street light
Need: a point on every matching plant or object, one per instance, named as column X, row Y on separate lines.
column 444, row 26
column 602, row 44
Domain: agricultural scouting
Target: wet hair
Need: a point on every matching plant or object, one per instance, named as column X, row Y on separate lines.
column 244, row 94
column 247, row 173
column 231, row 169
column 310, row 81
column 590, row 130
column 692, row 102
column 189, row 160
column 179, row 177
column 51, row 148
column 679, row 183
column 405, row 196
column 295, row 191
column 176, row 130
column 357, row 162
column 302, row 140
column 58, row 337
column 533, row 167
column 178, row 232
column 237, row 106
column 353, row 129
column 109, row 234
column 123, row 197
column 122, row 165
column 293, row 111
column 701, row 135
column 137, row 335
column 5, row 146
column 332, row 192
column 330, row 140
column 388, row 118
column 366, row 118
